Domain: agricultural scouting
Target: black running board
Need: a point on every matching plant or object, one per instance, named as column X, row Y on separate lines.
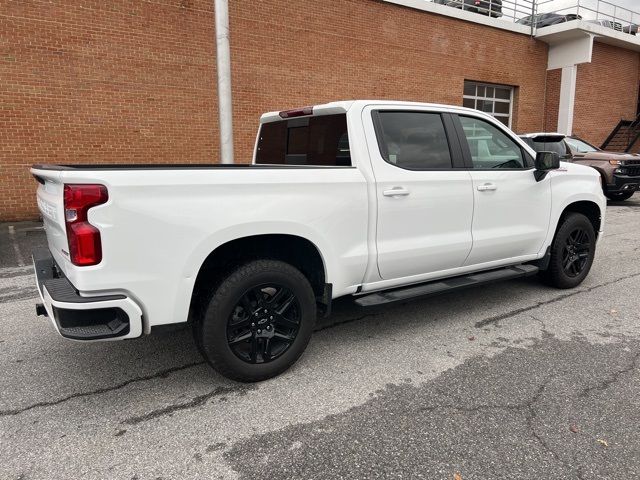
column 447, row 285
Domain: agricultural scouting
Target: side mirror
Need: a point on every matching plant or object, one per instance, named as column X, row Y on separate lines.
column 546, row 161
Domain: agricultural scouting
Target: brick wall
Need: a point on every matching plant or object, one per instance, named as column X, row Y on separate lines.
column 606, row 92
column 95, row 81
column 134, row 81
column 552, row 100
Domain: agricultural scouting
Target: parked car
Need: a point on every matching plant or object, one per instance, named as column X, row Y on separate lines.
column 631, row 29
column 546, row 19
column 379, row 200
column 491, row 8
column 609, row 24
column 620, row 172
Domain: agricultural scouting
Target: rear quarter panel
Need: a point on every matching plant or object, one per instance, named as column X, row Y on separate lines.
column 160, row 225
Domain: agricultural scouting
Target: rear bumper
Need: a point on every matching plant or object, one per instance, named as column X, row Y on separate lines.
column 623, row 183
column 79, row 317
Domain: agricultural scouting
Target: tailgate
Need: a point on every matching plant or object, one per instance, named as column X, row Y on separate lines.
column 51, row 205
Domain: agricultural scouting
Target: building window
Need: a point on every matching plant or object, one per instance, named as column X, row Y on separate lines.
column 495, row 100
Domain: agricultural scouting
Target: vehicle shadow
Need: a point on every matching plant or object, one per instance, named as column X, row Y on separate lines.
column 632, row 202
column 70, row 369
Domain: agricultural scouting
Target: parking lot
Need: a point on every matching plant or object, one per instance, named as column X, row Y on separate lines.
column 511, row 380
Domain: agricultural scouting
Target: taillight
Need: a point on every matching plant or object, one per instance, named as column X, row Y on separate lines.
column 85, row 245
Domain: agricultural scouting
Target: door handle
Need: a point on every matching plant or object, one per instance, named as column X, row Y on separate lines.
column 487, row 187
column 396, row 192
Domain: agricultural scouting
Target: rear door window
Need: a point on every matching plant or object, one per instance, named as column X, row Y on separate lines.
column 413, row 140
column 322, row 140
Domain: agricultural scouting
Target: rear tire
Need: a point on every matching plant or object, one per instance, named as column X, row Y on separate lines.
column 619, row 196
column 257, row 322
column 572, row 252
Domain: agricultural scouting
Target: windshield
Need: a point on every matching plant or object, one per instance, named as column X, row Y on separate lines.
column 552, row 145
column 580, row 146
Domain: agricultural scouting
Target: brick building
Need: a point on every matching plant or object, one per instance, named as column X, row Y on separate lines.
column 134, row 81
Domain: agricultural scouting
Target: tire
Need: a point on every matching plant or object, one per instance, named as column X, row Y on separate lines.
column 567, row 266
column 619, row 196
column 247, row 331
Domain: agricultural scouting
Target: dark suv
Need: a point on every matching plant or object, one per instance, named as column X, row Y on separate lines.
column 620, row 172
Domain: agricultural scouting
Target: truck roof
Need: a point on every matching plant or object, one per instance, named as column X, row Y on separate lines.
column 344, row 105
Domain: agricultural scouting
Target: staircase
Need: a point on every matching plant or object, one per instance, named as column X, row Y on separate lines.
column 624, row 136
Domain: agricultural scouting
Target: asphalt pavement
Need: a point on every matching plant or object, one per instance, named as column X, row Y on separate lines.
column 509, row 381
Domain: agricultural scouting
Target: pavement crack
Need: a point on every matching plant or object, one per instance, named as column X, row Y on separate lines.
column 612, row 379
column 497, row 318
column 195, row 402
column 544, row 330
column 526, row 408
column 99, row 391
column 530, row 417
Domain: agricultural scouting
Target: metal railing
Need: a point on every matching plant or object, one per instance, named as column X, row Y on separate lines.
column 624, row 136
column 602, row 12
column 527, row 12
column 510, row 10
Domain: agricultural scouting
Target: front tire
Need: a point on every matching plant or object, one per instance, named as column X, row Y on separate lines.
column 619, row 196
column 258, row 321
column 572, row 252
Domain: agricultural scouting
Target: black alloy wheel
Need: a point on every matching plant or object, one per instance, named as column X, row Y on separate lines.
column 576, row 252
column 256, row 320
column 264, row 323
column 572, row 252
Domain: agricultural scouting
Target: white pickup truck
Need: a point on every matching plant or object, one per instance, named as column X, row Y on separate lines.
column 380, row 200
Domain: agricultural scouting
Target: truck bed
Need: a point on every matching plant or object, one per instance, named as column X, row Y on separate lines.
column 172, row 166
column 161, row 222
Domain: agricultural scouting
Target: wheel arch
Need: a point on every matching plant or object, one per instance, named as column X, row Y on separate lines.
column 292, row 249
column 588, row 208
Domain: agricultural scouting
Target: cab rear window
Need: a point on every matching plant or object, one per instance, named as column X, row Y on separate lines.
column 320, row 140
column 548, row 144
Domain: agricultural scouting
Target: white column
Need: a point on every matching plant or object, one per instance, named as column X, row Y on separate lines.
column 223, row 58
column 567, row 99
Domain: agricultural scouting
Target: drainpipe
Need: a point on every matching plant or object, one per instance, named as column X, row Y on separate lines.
column 223, row 58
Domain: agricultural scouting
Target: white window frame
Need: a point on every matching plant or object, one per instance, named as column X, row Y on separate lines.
column 477, row 97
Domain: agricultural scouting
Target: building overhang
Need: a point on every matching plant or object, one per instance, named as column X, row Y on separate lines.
column 578, row 29
column 552, row 35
